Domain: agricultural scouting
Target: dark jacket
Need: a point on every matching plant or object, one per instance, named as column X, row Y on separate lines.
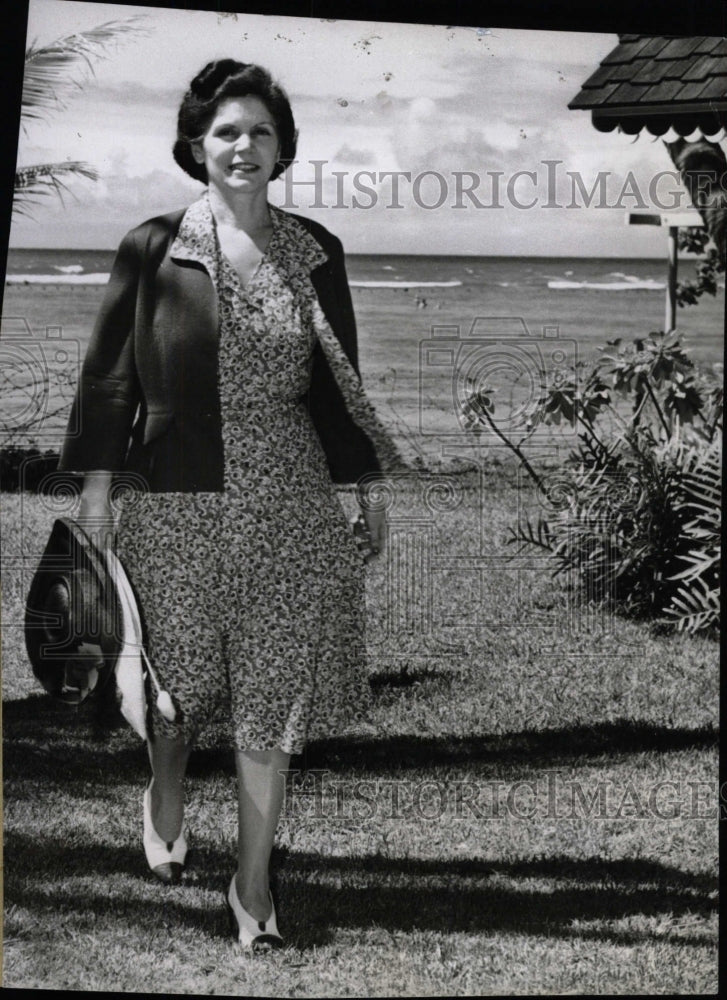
column 148, row 398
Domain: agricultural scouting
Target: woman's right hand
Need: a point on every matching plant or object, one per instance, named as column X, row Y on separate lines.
column 95, row 516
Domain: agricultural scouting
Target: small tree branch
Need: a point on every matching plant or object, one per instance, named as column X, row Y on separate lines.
column 513, row 447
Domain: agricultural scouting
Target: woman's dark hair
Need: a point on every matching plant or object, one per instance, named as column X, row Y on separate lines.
column 219, row 80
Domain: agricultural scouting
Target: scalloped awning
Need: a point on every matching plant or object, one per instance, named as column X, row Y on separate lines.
column 667, row 87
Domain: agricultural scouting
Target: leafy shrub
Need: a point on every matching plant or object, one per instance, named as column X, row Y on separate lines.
column 25, row 467
column 696, row 240
column 634, row 514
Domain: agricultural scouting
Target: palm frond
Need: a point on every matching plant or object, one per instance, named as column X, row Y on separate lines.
column 47, row 83
column 527, row 535
column 37, row 181
column 694, row 608
column 700, row 563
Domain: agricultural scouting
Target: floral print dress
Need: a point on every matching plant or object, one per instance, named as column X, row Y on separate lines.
column 253, row 598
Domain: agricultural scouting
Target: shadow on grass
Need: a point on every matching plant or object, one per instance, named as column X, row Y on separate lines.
column 493, row 897
column 408, row 678
column 38, row 734
column 536, row 747
column 319, row 895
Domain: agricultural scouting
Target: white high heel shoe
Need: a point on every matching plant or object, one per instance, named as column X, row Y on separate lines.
column 258, row 935
column 165, row 858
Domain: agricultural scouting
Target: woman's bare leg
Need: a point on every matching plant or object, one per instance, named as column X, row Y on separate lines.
column 260, row 792
column 169, row 764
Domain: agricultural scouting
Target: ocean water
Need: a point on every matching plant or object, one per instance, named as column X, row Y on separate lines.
column 422, row 320
column 588, row 298
column 88, row 267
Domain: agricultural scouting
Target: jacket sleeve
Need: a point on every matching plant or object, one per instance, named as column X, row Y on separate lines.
column 348, row 334
column 108, row 390
column 349, row 450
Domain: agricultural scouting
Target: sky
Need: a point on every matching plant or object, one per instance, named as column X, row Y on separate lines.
column 452, row 108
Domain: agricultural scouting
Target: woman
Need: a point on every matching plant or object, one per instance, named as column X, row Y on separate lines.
column 222, row 380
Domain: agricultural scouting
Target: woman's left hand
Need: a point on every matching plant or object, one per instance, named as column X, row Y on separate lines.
column 376, row 524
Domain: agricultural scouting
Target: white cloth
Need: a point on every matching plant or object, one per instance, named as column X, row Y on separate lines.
column 129, row 669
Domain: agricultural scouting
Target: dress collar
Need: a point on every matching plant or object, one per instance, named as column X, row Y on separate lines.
column 291, row 248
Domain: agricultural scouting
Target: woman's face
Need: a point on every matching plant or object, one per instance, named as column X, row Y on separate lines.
column 240, row 147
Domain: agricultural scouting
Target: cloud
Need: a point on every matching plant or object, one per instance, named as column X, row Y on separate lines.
column 350, row 155
column 96, row 215
column 415, row 98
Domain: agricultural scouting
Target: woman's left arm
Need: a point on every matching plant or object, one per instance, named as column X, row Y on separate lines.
column 347, row 317
column 374, row 516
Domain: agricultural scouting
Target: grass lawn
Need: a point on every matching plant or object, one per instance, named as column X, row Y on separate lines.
column 533, row 809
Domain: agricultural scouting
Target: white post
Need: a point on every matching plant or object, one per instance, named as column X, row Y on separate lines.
column 673, row 220
column 671, row 287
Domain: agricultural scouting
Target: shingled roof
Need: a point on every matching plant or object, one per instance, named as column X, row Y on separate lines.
column 658, row 83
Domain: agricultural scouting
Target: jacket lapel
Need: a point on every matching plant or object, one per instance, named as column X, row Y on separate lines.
column 196, row 238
